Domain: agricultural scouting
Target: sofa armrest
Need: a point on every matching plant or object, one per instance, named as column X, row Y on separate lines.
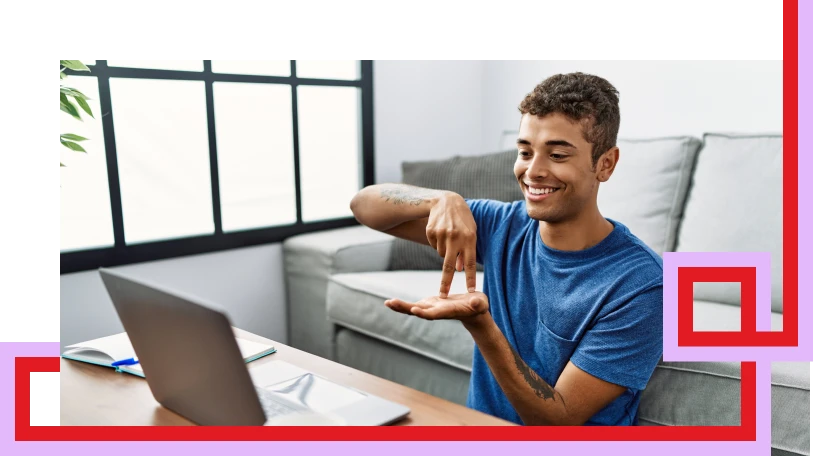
column 351, row 249
column 310, row 259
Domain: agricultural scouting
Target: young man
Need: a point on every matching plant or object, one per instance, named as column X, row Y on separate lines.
column 568, row 328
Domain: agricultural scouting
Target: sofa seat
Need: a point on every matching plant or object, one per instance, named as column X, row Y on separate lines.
column 356, row 301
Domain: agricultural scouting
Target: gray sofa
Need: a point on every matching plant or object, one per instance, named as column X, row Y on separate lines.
column 721, row 193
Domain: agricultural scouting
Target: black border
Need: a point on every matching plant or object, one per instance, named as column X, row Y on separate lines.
column 121, row 254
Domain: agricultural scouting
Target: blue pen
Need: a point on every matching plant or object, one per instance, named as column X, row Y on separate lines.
column 125, row 362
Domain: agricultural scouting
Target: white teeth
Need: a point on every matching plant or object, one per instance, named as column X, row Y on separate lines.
column 541, row 191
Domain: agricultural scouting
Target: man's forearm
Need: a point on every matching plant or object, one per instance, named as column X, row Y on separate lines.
column 385, row 206
column 536, row 402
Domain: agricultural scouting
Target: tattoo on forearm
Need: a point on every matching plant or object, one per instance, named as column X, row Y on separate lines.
column 406, row 195
column 540, row 387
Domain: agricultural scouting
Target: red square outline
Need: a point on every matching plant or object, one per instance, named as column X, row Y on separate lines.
column 746, row 431
column 747, row 335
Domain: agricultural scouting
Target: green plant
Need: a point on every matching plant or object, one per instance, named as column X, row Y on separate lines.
column 70, row 140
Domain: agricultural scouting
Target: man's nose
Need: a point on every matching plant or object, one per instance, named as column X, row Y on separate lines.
column 538, row 168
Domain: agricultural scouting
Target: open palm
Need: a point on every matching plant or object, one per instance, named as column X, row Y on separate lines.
column 455, row 306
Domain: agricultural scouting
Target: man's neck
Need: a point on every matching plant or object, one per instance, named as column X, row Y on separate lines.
column 581, row 233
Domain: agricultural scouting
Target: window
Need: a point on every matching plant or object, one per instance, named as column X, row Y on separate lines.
column 187, row 157
column 85, row 217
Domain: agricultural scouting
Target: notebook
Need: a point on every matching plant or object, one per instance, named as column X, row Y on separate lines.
column 106, row 350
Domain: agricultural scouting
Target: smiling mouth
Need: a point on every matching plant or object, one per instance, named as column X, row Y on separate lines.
column 541, row 191
column 539, row 194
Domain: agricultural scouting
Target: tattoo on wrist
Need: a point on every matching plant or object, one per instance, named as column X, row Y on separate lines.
column 540, row 387
column 407, row 195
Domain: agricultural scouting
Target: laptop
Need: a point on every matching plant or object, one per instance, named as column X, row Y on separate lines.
column 193, row 366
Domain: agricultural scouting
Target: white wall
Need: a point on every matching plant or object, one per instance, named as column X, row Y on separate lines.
column 657, row 98
column 425, row 110
column 247, row 282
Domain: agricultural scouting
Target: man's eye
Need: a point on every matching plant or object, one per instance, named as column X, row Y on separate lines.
column 557, row 156
column 524, row 153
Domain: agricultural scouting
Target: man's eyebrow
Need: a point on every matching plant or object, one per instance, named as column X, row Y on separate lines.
column 559, row 142
column 553, row 142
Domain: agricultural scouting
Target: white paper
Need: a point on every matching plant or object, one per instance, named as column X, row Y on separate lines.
column 118, row 346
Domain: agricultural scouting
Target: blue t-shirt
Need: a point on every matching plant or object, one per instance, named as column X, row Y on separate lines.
column 600, row 308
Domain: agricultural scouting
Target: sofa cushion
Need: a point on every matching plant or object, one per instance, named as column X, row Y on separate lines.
column 790, row 407
column 488, row 176
column 309, row 260
column 708, row 394
column 350, row 249
column 648, row 188
column 356, row 301
column 735, row 205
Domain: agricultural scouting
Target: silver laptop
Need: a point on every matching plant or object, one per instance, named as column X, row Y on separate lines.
column 194, row 367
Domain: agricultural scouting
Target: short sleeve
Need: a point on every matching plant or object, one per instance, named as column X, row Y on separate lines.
column 624, row 346
column 487, row 215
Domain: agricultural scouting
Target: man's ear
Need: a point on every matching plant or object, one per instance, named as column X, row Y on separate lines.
column 606, row 164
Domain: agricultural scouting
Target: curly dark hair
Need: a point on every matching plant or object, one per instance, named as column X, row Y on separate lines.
column 590, row 100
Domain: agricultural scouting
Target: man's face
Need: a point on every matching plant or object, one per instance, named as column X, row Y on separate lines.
column 554, row 168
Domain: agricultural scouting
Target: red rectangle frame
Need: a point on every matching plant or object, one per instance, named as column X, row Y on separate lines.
column 746, row 431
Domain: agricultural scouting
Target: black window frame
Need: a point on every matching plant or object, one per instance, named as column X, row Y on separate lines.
column 122, row 254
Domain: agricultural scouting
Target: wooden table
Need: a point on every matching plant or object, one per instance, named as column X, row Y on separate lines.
column 94, row 395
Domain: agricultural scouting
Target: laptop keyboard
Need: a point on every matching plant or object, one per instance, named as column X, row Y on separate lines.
column 271, row 406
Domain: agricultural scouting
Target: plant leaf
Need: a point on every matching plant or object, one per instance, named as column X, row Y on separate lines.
column 62, row 76
column 66, row 106
column 72, row 137
column 74, row 65
column 61, row 165
column 72, row 146
column 84, row 105
column 71, row 92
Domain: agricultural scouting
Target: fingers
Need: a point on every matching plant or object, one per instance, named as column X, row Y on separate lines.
column 399, row 306
column 448, row 273
column 432, row 237
column 441, row 245
column 404, row 307
column 470, row 263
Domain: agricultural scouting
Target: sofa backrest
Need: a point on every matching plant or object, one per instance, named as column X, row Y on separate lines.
column 735, row 205
column 648, row 188
column 646, row 192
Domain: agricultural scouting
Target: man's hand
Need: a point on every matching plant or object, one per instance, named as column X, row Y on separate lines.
column 451, row 231
column 467, row 308
column 438, row 218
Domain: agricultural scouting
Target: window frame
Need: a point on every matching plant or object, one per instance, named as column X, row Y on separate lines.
column 122, row 254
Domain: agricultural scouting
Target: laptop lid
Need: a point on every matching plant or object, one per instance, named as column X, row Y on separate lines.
column 187, row 349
